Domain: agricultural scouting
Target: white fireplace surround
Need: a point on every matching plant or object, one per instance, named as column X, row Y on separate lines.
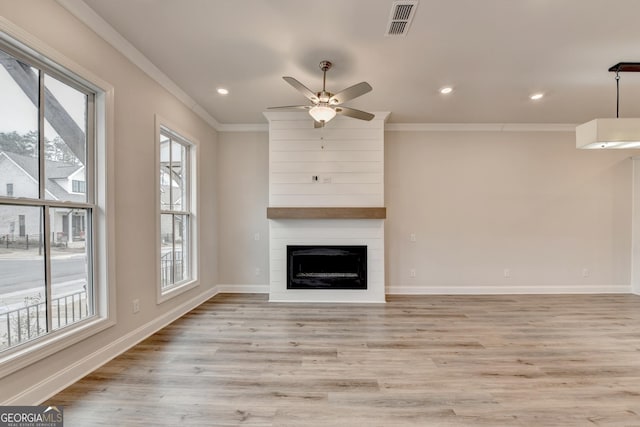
column 339, row 232
column 340, row 165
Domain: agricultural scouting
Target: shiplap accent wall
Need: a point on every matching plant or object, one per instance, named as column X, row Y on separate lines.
column 347, row 156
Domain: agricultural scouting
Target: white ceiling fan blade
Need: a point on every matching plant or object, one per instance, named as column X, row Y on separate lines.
column 356, row 114
column 291, row 107
column 302, row 89
column 350, row 93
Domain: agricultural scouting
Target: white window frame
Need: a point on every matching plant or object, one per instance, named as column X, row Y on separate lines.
column 163, row 126
column 101, row 182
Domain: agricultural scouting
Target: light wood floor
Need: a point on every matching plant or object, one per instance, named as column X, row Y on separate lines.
column 427, row 361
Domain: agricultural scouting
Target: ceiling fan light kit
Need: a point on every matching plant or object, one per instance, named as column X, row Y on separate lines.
column 325, row 104
column 611, row 132
column 321, row 113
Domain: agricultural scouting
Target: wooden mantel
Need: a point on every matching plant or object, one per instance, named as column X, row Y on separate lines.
column 327, row 213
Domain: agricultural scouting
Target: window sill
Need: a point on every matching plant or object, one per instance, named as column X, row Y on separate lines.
column 178, row 290
column 28, row 353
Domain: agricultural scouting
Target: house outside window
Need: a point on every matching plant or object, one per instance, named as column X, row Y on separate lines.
column 9, row 189
column 176, row 156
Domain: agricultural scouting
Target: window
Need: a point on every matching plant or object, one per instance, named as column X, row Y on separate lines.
column 78, row 186
column 176, row 211
column 55, row 243
column 45, row 134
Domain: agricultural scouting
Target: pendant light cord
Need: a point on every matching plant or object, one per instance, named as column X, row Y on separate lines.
column 617, row 94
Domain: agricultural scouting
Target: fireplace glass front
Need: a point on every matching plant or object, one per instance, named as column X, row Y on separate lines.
column 326, row 267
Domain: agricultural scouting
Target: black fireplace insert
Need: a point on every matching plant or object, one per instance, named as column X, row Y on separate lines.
column 326, row 267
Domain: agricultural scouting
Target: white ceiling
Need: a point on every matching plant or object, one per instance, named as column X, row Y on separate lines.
column 495, row 53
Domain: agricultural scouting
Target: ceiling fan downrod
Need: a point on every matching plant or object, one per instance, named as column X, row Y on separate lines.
column 324, row 66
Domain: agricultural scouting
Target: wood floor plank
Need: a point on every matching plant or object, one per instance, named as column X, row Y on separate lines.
column 525, row 360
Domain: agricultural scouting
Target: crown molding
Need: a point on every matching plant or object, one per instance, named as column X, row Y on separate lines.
column 480, row 127
column 433, row 127
column 91, row 19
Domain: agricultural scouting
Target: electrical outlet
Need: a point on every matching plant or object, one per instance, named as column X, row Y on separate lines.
column 136, row 305
column 413, row 238
column 585, row 272
column 412, row 272
column 256, row 236
column 507, row 273
column 257, row 271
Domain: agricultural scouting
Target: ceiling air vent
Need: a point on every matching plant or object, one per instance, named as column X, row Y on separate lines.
column 402, row 13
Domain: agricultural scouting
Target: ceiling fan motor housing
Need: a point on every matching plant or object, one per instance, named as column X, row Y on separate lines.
column 325, row 65
column 324, row 96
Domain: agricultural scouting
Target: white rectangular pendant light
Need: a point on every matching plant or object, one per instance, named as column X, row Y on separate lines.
column 612, row 133
column 609, row 133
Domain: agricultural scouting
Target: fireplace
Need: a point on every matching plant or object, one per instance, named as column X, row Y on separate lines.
column 326, row 187
column 326, row 267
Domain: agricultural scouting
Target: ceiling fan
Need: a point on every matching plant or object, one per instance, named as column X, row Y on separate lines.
column 325, row 105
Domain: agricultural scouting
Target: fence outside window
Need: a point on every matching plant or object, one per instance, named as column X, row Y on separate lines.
column 26, row 323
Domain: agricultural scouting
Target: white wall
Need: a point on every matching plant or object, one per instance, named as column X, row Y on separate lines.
column 243, row 196
column 478, row 203
column 137, row 99
column 483, row 202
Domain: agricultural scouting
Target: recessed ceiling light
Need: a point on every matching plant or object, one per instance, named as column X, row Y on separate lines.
column 445, row 90
column 223, row 91
column 536, row 96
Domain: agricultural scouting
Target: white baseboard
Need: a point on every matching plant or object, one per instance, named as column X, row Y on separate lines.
column 460, row 290
column 53, row 384
column 243, row 289
column 511, row 290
